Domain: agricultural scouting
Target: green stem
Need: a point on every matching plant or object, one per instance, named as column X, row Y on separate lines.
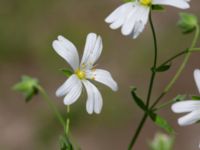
column 153, row 74
column 144, row 118
column 196, row 49
column 171, row 83
column 163, row 105
column 68, row 120
column 174, row 57
column 180, row 54
column 51, row 105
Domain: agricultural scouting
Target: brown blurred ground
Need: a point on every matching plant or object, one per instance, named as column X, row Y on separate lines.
column 27, row 29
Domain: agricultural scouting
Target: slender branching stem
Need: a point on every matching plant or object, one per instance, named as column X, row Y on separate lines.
column 179, row 71
column 51, row 105
column 180, row 54
column 153, row 75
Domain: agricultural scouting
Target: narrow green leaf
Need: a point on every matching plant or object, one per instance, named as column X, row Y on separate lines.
column 161, row 122
column 157, row 7
column 163, row 68
column 66, row 72
column 138, row 100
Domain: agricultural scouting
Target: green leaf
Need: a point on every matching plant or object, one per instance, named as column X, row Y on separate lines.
column 157, row 7
column 188, row 22
column 162, row 142
column 163, row 68
column 66, row 72
column 161, row 122
column 27, row 86
column 195, row 97
column 65, row 144
column 137, row 100
column 179, row 98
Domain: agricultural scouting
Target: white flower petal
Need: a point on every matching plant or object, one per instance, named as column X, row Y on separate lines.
column 73, row 94
column 129, row 23
column 136, row 21
column 89, row 45
column 119, row 21
column 182, row 4
column 67, row 51
column 102, row 76
column 197, row 78
column 92, row 51
column 190, row 118
column 117, row 12
column 67, row 85
column 94, row 101
column 140, row 25
column 186, row 106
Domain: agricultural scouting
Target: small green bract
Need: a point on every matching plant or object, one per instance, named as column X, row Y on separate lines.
column 28, row 86
column 188, row 22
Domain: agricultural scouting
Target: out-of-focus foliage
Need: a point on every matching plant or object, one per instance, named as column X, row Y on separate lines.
column 161, row 142
column 188, row 22
column 65, row 144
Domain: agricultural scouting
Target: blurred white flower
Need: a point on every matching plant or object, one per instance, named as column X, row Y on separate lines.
column 133, row 16
column 192, row 107
column 72, row 87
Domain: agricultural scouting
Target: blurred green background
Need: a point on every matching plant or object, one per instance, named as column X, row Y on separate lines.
column 27, row 29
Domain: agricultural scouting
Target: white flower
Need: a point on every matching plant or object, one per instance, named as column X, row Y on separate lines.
column 192, row 107
column 133, row 16
column 84, row 70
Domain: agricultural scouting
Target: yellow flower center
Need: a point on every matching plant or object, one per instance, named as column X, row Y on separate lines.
column 80, row 74
column 145, row 2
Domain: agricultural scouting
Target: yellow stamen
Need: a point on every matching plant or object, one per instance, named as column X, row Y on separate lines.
column 146, row 2
column 80, row 74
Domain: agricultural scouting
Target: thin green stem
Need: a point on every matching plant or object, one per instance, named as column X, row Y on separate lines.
column 153, row 74
column 180, row 54
column 174, row 57
column 163, row 105
column 178, row 73
column 68, row 120
column 142, row 122
column 196, row 49
column 51, row 105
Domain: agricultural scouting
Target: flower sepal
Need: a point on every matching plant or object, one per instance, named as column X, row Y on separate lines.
column 28, row 86
column 126, row 1
column 157, row 7
column 194, row 97
column 178, row 98
column 66, row 72
column 188, row 22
